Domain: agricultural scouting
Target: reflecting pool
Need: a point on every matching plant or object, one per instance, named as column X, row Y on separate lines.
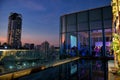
column 75, row 70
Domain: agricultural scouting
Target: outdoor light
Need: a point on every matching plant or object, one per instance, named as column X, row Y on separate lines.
column 33, row 64
column 11, row 67
column 24, row 64
column 5, row 47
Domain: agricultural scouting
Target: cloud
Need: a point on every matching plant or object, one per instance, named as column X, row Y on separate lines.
column 32, row 4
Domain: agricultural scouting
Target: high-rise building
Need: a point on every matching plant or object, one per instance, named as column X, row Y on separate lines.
column 14, row 30
column 26, row 46
column 45, row 47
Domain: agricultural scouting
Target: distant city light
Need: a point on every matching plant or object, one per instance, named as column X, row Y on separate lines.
column 33, row 64
column 24, row 64
column 11, row 67
column 5, row 47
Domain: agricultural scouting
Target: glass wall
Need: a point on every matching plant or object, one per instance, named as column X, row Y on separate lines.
column 86, row 33
column 96, row 42
column 83, row 43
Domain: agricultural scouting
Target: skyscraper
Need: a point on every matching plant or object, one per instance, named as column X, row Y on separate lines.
column 14, row 30
column 45, row 47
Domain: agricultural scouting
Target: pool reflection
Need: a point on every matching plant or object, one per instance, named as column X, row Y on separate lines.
column 76, row 70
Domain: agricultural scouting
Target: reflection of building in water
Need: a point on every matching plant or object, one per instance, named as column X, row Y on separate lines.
column 86, row 30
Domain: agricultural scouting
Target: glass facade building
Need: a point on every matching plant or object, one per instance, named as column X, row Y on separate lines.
column 86, row 33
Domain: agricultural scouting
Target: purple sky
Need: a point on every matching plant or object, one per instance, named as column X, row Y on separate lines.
column 41, row 17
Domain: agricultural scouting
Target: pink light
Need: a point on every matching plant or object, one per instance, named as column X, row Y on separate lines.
column 101, row 44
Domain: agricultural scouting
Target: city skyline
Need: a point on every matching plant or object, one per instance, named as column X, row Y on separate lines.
column 41, row 18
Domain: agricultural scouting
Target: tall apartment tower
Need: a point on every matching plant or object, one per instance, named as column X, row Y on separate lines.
column 14, row 30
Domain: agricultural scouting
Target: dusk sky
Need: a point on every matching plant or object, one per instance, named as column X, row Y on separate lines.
column 41, row 17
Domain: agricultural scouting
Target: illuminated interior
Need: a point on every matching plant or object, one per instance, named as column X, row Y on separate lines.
column 92, row 31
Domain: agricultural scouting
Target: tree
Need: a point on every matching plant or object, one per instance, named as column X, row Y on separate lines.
column 116, row 48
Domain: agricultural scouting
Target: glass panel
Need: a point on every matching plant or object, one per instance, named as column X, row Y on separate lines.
column 95, row 14
column 108, row 23
column 83, row 17
column 63, row 24
column 96, row 42
column 95, row 25
column 63, row 38
column 107, row 10
column 108, row 36
column 71, row 28
column 71, row 44
column 63, row 46
column 83, row 43
column 71, row 19
column 83, row 26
